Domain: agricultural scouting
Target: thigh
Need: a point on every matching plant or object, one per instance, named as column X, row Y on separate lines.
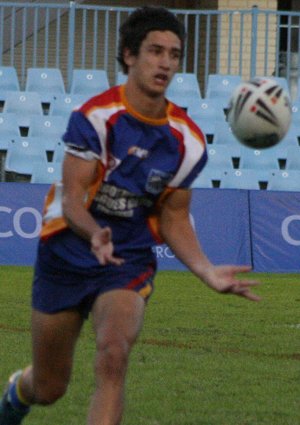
column 118, row 315
column 54, row 338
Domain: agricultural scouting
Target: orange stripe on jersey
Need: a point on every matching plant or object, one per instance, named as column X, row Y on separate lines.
column 57, row 223
column 136, row 114
column 106, row 100
column 153, row 219
column 178, row 115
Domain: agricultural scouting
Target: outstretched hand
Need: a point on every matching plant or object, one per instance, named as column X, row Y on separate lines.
column 103, row 248
column 223, row 279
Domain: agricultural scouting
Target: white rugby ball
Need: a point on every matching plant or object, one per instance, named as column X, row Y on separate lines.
column 259, row 113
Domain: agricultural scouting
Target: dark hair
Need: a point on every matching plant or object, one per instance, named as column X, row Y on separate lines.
column 143, row 20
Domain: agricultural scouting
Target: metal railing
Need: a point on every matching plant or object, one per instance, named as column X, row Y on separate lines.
column 72, row 35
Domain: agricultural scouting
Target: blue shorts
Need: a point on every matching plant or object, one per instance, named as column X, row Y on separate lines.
column 58, row 285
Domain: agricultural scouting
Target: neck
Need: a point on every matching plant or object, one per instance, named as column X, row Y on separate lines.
column 145, row 104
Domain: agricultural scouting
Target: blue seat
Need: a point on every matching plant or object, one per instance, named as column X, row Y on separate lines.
column 286, row 180
column 121, row 78
column 64, row 104
column 223, row 134
column 183, row 89
column 293, row 158
column 59, row 152
column 244, row 179
column 209, row 178
column 21, row 155
column 46, row 173
column 47, row 126
column 207, row 113
column 292, row 137
column 45, row 81
column 264, row 159
column 89, row 81
column 221, row 156
column 9, row 80
column 221, row 87
column 8, row 130
column 24, row 104
column 9, row 127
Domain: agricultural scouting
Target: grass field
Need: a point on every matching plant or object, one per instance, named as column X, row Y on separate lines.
column 202, row 358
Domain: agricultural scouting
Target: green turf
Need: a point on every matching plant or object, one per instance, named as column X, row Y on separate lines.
column 202, row 358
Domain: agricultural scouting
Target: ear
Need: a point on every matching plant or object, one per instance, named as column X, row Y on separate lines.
column 128, row 57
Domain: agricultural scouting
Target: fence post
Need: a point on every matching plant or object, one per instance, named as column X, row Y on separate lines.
column 71, row 43
column 253, row 41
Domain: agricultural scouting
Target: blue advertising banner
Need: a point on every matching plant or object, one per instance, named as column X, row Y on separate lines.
column 20, row 221
column 275, row 229
column 220, row 218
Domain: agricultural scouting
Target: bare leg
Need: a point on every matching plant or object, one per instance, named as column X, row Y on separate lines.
column 54, row 338
column 118, row 318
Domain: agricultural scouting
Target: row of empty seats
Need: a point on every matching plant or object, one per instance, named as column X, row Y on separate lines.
column 50, row 81
column 25, row 121
column 250, row 179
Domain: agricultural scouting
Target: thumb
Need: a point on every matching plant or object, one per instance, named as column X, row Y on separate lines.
column 105, row 235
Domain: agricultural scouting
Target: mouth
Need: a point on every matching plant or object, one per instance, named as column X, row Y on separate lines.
column 161, row 79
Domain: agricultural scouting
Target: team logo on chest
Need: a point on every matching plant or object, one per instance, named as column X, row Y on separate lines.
column 157, row 181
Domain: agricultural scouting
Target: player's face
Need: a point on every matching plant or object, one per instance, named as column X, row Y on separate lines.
column 158, row 60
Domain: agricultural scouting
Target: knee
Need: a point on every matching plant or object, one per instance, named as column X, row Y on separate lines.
column 112, row 357
column 49, row 391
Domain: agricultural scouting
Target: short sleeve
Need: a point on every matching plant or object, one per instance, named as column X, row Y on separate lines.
column 81, row 138
column 194, row 172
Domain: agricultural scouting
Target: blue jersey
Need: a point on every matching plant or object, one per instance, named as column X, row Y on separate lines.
column 139, row 160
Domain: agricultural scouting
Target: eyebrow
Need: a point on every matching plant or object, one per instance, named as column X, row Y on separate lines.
column 160, row 46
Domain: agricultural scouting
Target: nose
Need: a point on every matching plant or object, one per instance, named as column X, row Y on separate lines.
column 165, row 61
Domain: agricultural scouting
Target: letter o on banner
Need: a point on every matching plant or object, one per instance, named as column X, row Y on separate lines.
column 286, row 232
column 17, row 222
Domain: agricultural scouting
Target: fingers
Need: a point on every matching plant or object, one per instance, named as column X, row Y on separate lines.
column 102, row 247
column 241, row 288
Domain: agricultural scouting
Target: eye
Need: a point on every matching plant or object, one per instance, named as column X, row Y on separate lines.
column 175, row 54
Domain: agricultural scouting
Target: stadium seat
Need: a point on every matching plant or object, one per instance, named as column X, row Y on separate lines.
column 9, row 80
column 207, row 113
column 223, row 134
column 8, row 130
column 46, row 173
column 89, row 81
column 9, row 125
column 45, row 81
column 293, row 158
column 244, row 179
column 47, row 126
column 209, row 178
column 24, row 104
column 64, row 104
column 21, row 155
column 292, row 137
column 222, row 157
column 220, row 87
column 183, row 89
column 264, row 159
column 59, row 152
column 121, row 78
column 287, row 180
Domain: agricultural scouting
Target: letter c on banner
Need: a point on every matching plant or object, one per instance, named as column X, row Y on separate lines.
column 9, row 233
column 285, row 229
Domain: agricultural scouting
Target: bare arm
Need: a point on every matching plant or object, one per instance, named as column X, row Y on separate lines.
column 177, row 231
column 78, row 174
